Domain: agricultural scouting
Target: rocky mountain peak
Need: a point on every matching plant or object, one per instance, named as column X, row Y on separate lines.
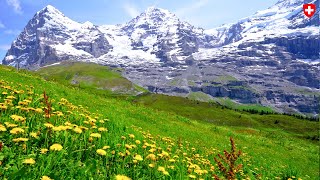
column 288, row 3
column 154, row 17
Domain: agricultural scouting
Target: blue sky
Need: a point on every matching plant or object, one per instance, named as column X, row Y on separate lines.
column 15, row 14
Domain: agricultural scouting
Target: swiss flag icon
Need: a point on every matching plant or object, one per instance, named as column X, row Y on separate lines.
column 309, row 10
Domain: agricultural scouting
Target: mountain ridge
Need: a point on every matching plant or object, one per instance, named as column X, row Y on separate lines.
column 278, row 45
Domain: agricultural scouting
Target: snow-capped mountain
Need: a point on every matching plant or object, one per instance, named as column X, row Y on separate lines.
column 270, row 58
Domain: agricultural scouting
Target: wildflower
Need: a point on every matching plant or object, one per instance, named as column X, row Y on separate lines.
column 34, row 135
column 131, row 136
column 165, row 173
column 101, row 152
column 123, row 137
column 45, row 178
column 9, row 125
column 4, row 107
column 11, row 97
column 172, row 160
column 3, row 128
column 16, row 131
column 101, row 129
column 20, row 139
column 96, row 135
column 106, row 147
column 17, row 118
column 152, row 165
column 192, row 176
column 127, row 146
column 29, row 161
column 48, row 125
column 135, row 161
column 43, row 151
column 4, row 93
column 138, row 142
column 161, row 169
column 165, row 153
column 122, row 177
column 152, row 150
column 56, row 147
column 138, row 157
column 77, row 130
column 152, row 157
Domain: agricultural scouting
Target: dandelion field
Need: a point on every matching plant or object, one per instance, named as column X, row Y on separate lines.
column 50, row 131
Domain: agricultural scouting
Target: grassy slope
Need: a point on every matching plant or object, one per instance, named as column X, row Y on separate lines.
column 90, row 76
column 272, row 151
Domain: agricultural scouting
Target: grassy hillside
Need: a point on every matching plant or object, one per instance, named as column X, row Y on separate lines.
column 92, row 77
column 104, row 137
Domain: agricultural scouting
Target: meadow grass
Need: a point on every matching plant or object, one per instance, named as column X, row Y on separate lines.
column 103, row 138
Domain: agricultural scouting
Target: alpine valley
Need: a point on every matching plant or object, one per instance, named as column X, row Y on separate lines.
column 270, row 58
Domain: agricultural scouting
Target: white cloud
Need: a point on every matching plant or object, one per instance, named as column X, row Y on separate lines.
column 197, row 4
column 5, row 47
column 15, row 4
column 12, row 32
column 131, row 10
column 2, row 25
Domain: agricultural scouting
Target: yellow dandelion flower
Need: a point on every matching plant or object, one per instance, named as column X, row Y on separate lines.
column 135, row 161
column 138, row 142
column 11, row 97
column 56, row 147
column 3, row 128
column 123, row 137
column 192, row 176
column 45, row 178
column 4, row 107
column 96, row 135
column 172, row 160
column 102, row 129
column 106, row 147
column 29, row 161
column 20, row 139
column 101, row 152
column 131, row 136
column 48, row 125
column 16, row 131
column 152, row 150
column 77, row 130
column 138, row 157
column 165, row 173
column 43, row 151
column 9, row 125
column 171, row 167
column 4, row 93
column 164, row 153
column 34, row 135
column 127, row 146
column 38, row 110
column 152, row 165
column 161, row 169
column 17, row 118
column 122, row 177
column 152, row 157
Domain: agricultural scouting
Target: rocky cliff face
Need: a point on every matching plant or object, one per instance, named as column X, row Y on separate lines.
column 270, row 58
